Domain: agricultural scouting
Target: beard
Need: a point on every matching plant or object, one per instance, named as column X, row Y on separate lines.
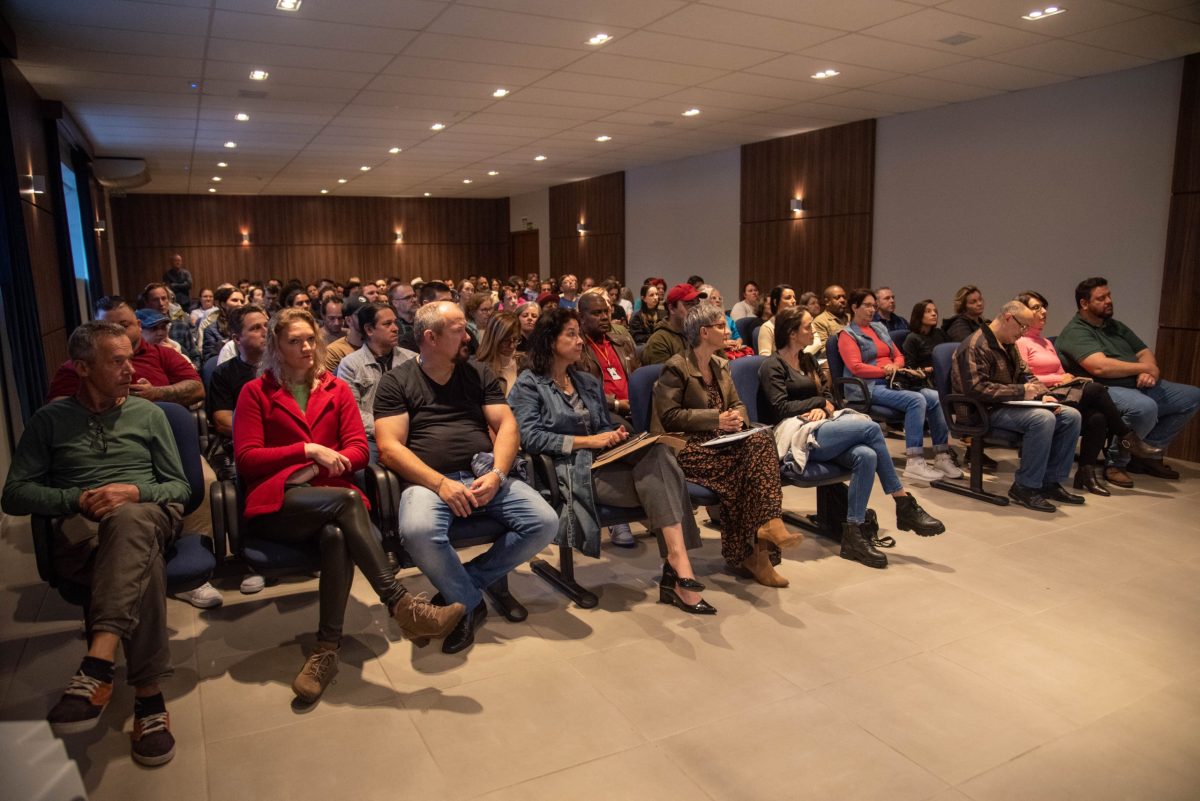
column 464, row 353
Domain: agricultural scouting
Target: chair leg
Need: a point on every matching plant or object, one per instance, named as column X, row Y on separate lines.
column 562, row 578
column 975, row 489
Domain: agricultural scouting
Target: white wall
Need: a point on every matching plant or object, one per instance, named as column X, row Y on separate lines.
column 535, row 207
column 684, row 218
column 1032, row 190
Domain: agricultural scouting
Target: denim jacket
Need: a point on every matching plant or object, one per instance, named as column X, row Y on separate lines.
column 549, row 425
column 869, row 354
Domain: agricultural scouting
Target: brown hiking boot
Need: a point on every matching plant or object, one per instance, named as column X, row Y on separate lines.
column 420, row 621
column 317, row 673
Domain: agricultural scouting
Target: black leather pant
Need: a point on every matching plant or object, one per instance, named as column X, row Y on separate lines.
column 1101, row 417
column 337, row 519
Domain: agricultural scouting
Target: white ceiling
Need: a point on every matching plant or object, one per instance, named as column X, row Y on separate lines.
column 351, row 78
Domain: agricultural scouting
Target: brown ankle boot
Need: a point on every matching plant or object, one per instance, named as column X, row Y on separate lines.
column 318, row 671
column 758, row 564
column 776, row 532
column 420, row 620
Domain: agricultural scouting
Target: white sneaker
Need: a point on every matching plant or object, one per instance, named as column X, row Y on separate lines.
column 918, row 469
column 621, row 536
column 946, row 466
column 206, row 596
column 252, row 583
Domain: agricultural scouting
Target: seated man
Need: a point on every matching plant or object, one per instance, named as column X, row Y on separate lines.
column 248, row 325
column 341, row 348
column 378, row 355
column 1092, row 343
column 157, row 297
column 154, row 329
column 107, row 460
column 834, row 318
column 667, row 339
column 435, row 419
column 987, row 366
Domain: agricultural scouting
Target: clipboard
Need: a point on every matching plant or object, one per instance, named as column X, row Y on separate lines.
column 635, row 444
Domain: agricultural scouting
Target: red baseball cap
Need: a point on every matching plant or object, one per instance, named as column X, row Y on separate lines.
column 681, row 293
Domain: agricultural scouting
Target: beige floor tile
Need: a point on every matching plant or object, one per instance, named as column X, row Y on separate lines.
column 1088, row 764
column 361, row 754
column 1162, row 727
column 514, row 727
column 925, row 610
column 942, row 716
column 643, row 772
column 1063, row 670
column 671, row 684
column 796, row 749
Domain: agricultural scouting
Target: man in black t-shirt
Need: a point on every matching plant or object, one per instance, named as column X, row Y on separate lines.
column 433, row 417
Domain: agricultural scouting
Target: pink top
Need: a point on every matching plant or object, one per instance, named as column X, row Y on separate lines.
column 1041, row 357
column 852, row 356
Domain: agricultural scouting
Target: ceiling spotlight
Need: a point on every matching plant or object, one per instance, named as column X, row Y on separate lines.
column 427, row 194
column 691, row 112
column 467, row 181
column 288, row 5
column 500, row 93
column 258, row 75
column 217, row 178
column 437, row 126
column 1048, row 11
column 242, row 116
column 364, row 168
column 823, row 74
column 493, row 172
column 393, row 150
column 341, row 180
column 212, row 189
column 324, row 191
column 539, row 157
column 599, row 39
column 604, row 138
column 231, row 145
column 222, row 164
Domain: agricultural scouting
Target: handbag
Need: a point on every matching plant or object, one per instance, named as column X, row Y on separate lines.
column 903, row 379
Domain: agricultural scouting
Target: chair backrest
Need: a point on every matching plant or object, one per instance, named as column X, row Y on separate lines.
column 641, row 394
column 837, row 367
column 943, row 362
column 744, row 372
column 207, row 370
column 754, row 337
column 187, row 441
column 898, row 338
column 745, row 327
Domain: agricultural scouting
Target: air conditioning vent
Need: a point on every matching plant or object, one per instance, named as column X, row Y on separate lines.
column 958, row 39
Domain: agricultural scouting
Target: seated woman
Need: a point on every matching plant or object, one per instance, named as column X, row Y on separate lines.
column 527, row 314
column 780, row 298
column 924, row 334
column 651, row 313
column 562, row 412
column 695, row 398
column 498, row 347
column 298, row 438
column 791, row 385
column 868, row 353
column 1101, row 417
column 968, row 314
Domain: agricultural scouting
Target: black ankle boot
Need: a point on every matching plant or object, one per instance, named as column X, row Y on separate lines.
column 1088, row 478
column 856, row 547
column 1129, row 444
column 911, row 517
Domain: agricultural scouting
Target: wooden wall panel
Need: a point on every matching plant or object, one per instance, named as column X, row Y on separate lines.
column 1178, row 354
column 598, row 203
column 1181, row 272
column 833, row 171
column 307, row 238
column 1187, row 136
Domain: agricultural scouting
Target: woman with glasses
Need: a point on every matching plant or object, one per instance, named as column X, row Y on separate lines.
column 695, row 398
column 498, row 348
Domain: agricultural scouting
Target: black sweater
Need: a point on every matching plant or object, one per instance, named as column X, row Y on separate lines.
column 786, row 392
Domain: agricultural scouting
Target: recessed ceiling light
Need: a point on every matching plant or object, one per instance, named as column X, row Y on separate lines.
column 258, row 75
column 341, row 180
column 823, row 74
column 324, row 191
column 288, row 5
column 467, row 181
column 217, row 178
column 222, row 164
column 1048, row 11
column 242, row 116
column 539, row 157
column 599, row 39
column 493, row 172
column 212, row 189
column 364, row 168
column 437, row 126
column 393, row 150
column 231, row 145
column 427, row 194
column 500, row 93
column 691, row 112
column 604, row 138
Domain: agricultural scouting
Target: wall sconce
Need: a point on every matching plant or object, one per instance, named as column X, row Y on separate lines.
column 100, row 226
column 581, row 228
column 33, row 184
column 797, row 205
column 245, row 237
column 399, row 237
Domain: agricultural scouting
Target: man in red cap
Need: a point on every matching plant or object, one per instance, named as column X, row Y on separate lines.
column 667, row 339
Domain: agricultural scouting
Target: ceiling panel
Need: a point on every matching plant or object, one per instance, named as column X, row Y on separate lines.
column 994, row 75
column 482, row 51
column 799, row 67
column 275, row 58
column 932, row 89
column 623, row 13
column 845, row 15
column 121, row 14
column 1153, row 37
column 718, row 55
column 1083, row 15
column 68, row 38
column 752, row 30
column 598, row 84
column 1070, row 58
column 870, row 51
column 927, row 28
column 410, row 14
column 615, row 66
column 504, row 26
column 768, row 86
column 714, row 97
column 294, row 29
column 497, row 75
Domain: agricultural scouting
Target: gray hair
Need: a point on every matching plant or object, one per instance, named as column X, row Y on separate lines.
column 697, row 316
column 430, row 317
column 1013, row 307
column 83, row 342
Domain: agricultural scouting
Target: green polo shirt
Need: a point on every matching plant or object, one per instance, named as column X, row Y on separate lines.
column 1080, row 339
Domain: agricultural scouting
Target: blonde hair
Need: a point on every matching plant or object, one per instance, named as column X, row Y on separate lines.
column 272, row 360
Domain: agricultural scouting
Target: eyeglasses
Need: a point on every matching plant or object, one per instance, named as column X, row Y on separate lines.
column 1022, row 327
column 97, row 435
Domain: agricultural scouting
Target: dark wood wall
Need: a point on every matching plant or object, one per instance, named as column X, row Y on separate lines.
column 833, row 172
column 599, row 204
column 1178, row 347
column 307, row 237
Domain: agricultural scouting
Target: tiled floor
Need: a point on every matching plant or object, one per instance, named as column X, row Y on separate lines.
column 1018, row 656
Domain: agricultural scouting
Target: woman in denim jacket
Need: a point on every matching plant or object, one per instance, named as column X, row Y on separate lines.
column 562, row 412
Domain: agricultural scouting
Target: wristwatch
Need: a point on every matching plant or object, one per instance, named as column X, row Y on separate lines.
column 500, row 475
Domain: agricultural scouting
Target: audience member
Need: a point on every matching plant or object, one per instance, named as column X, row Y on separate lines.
column 332, row 319
column 811, row 302
column 833, row 319
column 608, row 353
column 158, row 298
column 528, row 315
column 403, row 299
column 548, row 300
column 568, row 291
column 248, row 326
column 885, row 300
column 498, row 348
column 297, row 298
column 780, row 298
column 154, row 329
column 734, row 347
column 968, row 314
column 363, row 368
column 215, row 330
column 343, row 347
column 988, row 367
column 748, row 305
column 179, row 281
column 443, row 425
column 668, row 338
column 478, row 308
column 202, row 310
column 648, row 316
column 924, row 335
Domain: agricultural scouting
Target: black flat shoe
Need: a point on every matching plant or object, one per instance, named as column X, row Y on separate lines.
column 667, row 595
column 463, row 635
column 671, row 579
column 508, row 606
column 1031, row 499
column 1056, row 492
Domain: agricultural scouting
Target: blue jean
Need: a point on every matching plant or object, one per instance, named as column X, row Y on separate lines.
column 919, row 407
column 1156, row 414
column 1047, row 444
column 857, row 443
column 425, row 522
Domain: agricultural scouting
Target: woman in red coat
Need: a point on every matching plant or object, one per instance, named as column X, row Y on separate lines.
column 297, row 438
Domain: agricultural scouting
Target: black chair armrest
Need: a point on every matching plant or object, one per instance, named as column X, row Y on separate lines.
column 381, row 487
column 202, row 430
column 958, row 425
column 226, row 518
column 544, row 479
column 839, row 395
column 43, row 528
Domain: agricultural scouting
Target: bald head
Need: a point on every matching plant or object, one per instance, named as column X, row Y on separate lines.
column 834, row 300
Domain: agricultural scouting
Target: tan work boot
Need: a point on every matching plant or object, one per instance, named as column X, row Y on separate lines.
column 774, row 531
column 759, row 566
column 419, row 620
column 317, row 673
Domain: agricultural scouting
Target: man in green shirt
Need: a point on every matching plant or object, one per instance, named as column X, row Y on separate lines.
column 107, row 462
column 667, row 339
column 1094, row 344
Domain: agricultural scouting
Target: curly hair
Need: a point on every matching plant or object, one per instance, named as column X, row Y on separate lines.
column 272, row 360
column 540, row 350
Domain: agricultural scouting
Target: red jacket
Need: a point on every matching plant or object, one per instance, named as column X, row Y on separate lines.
column 270, row 432
column 159, row 365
